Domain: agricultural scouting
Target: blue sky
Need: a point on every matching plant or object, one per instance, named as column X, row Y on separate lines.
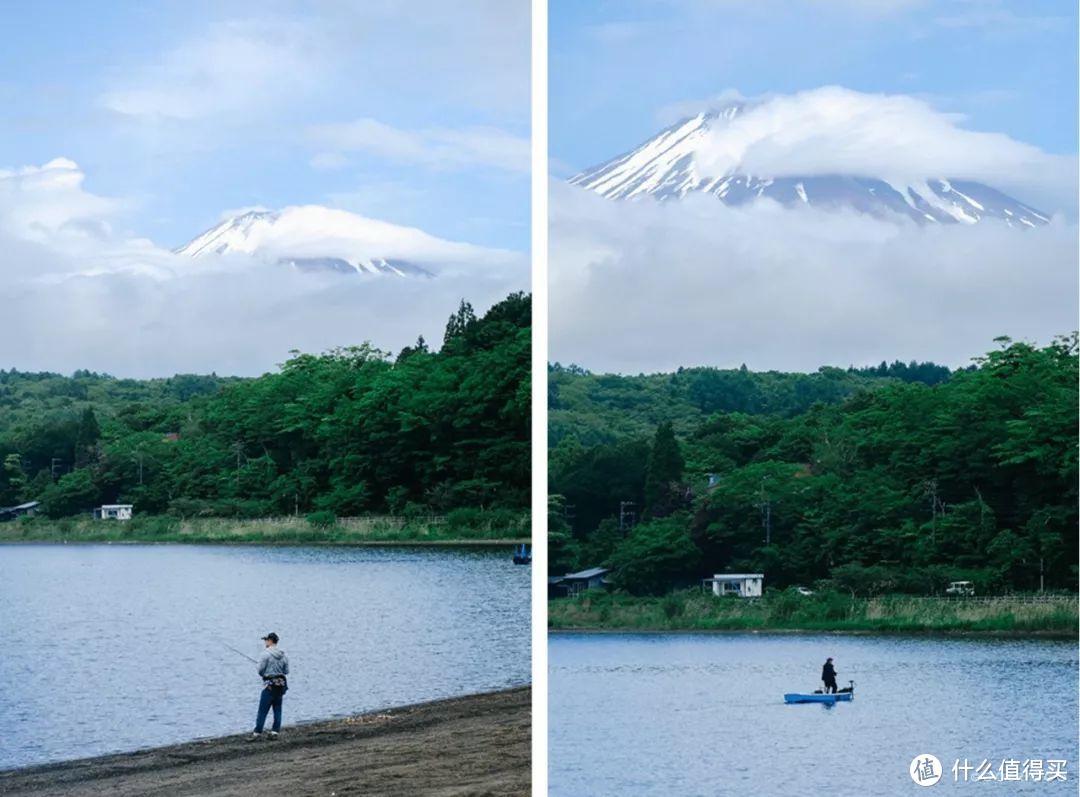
column 618, row 66
column 413, row 113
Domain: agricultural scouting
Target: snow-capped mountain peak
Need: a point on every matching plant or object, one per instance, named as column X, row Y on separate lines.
column 706, row 153
column 235, row 234
column 316, row 238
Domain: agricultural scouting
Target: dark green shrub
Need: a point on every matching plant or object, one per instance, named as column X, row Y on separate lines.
column 323, row 519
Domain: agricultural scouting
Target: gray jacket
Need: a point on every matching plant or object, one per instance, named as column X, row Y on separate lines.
column 273, row 662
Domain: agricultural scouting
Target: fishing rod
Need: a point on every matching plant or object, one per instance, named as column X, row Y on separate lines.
column 238, row 653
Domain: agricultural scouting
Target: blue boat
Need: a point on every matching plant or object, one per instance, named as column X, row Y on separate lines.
column 522, row 556
column 844, row 695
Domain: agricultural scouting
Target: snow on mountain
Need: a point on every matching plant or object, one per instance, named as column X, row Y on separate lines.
column 702, row 154
column 315, row 238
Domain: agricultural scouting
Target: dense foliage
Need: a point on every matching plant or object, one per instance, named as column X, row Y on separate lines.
column 605, row 408
column 349, row 432
column 876, row 485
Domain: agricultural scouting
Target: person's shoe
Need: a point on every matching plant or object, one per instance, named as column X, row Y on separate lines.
column 254, row 737
column 273, row 735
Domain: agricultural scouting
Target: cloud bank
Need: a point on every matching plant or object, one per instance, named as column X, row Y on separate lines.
column 834, row 130
column 440, row 148
column 78, row 294
column 651, row 286
column 232, row 68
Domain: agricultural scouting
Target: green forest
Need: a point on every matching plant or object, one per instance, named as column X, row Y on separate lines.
column 881, row 480
column 350, row 432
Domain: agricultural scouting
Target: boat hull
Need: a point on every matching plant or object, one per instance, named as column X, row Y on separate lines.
column 833, row 698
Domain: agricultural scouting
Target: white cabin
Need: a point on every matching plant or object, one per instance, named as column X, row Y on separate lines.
column 114, row 512
column 745, row 585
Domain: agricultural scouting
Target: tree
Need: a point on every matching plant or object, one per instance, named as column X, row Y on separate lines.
column 86, row 438
column 663, row 473
column 459, row 322
column 75, row 493
column 15, row 477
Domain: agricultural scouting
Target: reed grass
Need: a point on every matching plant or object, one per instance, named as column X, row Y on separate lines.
column 474, row 528
column 692, row 610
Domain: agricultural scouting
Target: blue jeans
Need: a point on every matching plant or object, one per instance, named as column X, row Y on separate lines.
column 269, row 699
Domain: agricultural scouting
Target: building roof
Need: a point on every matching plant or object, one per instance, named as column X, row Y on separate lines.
column 736, row 576
column 117, row 506
column 21, row 507
column 587, row 574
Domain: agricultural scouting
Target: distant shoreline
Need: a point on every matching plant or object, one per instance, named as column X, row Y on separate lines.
column 928, row 632
column 406, row 542
column 1011, row 616
column 474, row 528
column 475, row 744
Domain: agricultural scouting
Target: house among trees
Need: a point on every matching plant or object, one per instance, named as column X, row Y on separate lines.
column 573, row 583
column 28, row 509
column 114, row 512
column 744, row 585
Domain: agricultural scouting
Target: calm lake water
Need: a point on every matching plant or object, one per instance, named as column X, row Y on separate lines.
column 116, row 647
column 704, row 714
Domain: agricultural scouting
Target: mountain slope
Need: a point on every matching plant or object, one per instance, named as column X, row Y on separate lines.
column 677, row 162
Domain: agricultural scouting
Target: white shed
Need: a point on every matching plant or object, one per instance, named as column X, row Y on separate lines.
column 114, row 512
column 745, row 585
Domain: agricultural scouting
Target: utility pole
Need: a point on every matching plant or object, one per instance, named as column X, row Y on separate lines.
column 56, row 461
column 766, row 513
column 930, row 490
column 626, row 516
column 238, row 449
column 138, row 458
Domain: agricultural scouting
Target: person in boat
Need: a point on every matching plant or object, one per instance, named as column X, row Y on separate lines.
column 828, row 675
column 274, row 669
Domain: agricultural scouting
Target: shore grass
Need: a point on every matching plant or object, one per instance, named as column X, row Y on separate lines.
column 693, row 610
column 476, row 529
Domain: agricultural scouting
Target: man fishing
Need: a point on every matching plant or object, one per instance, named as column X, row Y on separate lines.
column 828, row 675
column 273, row 667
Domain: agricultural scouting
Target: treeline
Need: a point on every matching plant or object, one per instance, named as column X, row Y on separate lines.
column 898, row 486
column 352, row 431
column 604, row 408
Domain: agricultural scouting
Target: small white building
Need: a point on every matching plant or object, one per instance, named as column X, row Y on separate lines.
column 114, row 512
column 745, row 585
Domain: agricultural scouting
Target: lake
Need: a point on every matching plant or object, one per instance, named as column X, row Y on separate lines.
column 109, row 648
column 633, row 714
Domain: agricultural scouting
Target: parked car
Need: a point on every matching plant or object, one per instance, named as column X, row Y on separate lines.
column 804, row 591
column 961, row 588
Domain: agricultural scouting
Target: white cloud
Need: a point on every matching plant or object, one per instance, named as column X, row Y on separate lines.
column 677, row 111
column 233, row 68
column 440, row 148
column 232, row 321
column 833, row 130
column 645, row 285
column 329, row 161
column 900, row 138
column 43, row 202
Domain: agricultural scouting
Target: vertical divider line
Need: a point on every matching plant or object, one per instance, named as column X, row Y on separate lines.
column 539, row 236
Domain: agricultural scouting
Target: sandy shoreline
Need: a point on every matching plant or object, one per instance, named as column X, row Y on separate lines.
column 463, row 543
column 474, row 745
